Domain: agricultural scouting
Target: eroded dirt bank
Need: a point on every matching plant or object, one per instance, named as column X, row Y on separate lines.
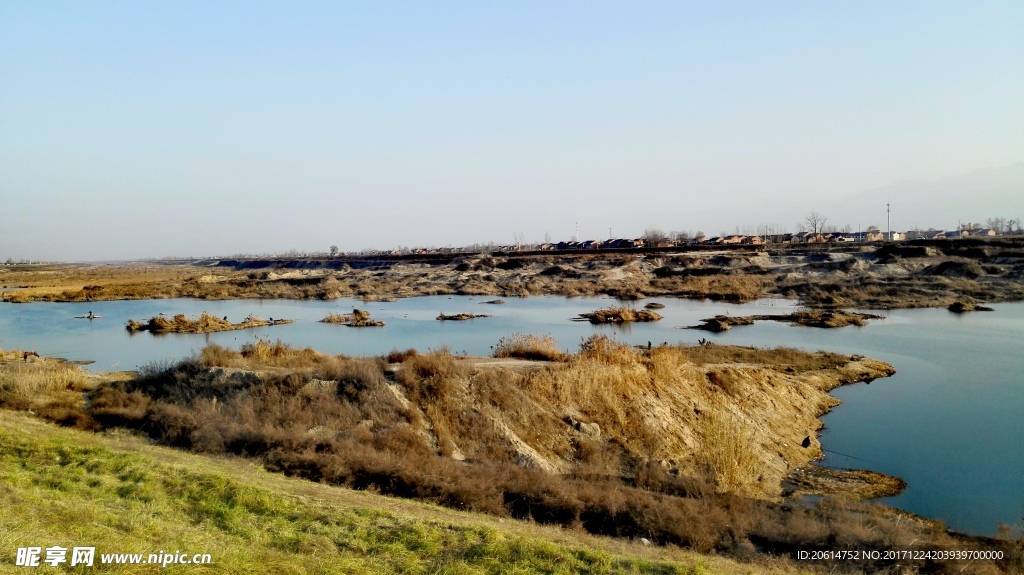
column 741, row 418
column 678, row 445
column 921, row 274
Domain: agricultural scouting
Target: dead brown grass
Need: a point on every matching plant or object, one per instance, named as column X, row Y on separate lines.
column 336, row 318
column 782, row 357
column 40, row 383
column 620, row 315
column 526, row 346
column 358, row 318
column 460, row 316
column 260, row 354
column 434, row 428
column 728, row 456
column 206, row 323
column 737, row 288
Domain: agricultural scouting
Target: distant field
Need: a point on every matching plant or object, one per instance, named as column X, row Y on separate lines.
column 867, row 276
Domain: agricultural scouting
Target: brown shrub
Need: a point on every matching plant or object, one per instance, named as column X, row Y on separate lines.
column 605, row 349
column 431, row 376
column 354, row 376
column 113, row 407
column 171, row 424
column 397, row 356
column 525, row 346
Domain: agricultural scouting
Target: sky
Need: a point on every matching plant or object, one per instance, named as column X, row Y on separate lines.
column 145, row 130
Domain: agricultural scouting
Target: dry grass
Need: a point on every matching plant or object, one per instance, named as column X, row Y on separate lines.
column 785, row 357
column 358, row 318
column 336, row 318
column 526, row 346
column 621, row 315
column 53, row 389
column 260, row 354
column 727, row 456
column 206, row 323
column 437, row 429
column 39, row 384
column 459, row 316
column 737, row 288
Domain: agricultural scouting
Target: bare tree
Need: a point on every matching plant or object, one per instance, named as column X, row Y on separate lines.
column 654, row 236
column 997, row 224
column 517, row 240
column 767, row 229
column 813, row 222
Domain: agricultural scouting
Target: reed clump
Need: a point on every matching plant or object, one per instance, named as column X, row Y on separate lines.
column 727, row 454
column 526, row 346
column 52, row 388
column 621, row 315
column 358, row 318
column 205, row 323
column 38, row 384
column 460, row 316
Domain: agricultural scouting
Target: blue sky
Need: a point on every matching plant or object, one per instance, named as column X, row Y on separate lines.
column 133, row 129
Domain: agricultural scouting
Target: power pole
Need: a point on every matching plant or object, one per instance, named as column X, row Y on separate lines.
column 888, row 227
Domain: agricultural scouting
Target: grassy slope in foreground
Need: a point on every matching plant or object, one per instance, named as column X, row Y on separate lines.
column 115, row 492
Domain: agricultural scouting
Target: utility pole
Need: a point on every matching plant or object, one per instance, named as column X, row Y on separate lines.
column 888, row 227
column 576, row 236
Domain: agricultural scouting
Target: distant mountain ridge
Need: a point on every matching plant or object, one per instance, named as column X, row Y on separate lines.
column 941, row 203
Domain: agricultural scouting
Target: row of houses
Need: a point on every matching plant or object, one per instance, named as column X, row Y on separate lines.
column 737, row 239
column 934, row 234
column 594, row 244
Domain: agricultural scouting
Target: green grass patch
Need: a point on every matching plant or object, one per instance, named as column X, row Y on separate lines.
column 56, row 488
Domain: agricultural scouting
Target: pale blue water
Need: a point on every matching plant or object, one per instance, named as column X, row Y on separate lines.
column 50, row 328
column 949, row 422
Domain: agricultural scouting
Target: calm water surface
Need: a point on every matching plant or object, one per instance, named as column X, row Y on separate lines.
column 949, row 422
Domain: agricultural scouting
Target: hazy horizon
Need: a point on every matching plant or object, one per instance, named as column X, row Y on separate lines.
column 132, row 131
